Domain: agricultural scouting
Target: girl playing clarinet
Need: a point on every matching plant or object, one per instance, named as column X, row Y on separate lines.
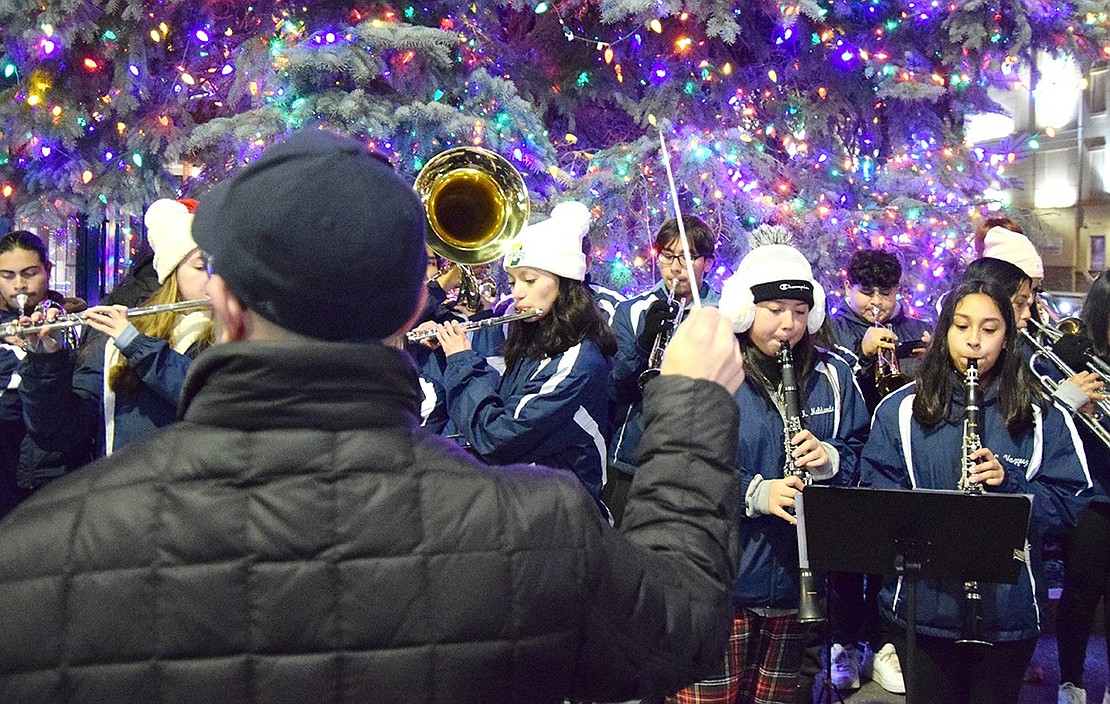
column 551, row 404
column 774, row 301
column 1025, row 446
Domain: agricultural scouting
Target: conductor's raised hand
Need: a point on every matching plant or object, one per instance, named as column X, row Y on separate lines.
column 704, row 347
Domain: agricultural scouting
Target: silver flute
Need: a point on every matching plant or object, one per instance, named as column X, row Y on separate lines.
column 418, row 335
column 72, row 320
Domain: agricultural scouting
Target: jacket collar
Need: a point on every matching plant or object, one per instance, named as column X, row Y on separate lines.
column 269, row 385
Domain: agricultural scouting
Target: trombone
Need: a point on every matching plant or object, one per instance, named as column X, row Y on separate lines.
column 72, row 320
column 1066, row 327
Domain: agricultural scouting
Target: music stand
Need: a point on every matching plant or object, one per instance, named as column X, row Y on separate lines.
column 924, row 533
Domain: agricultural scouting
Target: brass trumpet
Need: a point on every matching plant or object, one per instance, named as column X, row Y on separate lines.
column 1068, row 327
column 73, row 320
column 888, row 375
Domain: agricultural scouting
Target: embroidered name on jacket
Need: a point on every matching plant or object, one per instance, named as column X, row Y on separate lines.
column 818, row 411
column 1016, row 461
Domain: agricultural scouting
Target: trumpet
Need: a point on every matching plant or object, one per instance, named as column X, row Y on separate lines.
column 418, row 335
column 1069, row 329
column 73, row 320
column 888, row 375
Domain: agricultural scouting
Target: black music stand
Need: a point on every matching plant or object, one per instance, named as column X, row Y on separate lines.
column 924, row 533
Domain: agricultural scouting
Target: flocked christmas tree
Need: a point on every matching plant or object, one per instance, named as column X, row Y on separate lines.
column 839, row 120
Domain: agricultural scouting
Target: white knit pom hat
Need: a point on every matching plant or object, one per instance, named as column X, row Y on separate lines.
column 168, row 230
column 767, row 273
column 555, row 244
column 1015, row 248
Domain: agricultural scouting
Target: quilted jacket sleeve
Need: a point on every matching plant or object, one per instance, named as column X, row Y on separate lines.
column 661, row 607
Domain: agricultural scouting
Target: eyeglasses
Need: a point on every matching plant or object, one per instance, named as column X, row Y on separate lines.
column 668, row 258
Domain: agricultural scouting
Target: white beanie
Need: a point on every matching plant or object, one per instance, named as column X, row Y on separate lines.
column 768, row 273
column 168, row 230
column 555, row 244
column 1015, row 248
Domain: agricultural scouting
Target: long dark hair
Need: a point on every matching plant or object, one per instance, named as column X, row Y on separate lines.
column 1096, row 314
column 932, row 401
column 574, row 317
column 998, row 271
column 764, row 371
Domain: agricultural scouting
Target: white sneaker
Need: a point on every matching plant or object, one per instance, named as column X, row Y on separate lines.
column 887, row 671
column 1070, row 694
column 845, row 666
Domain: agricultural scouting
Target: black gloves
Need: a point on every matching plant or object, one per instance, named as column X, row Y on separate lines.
column 658, row 319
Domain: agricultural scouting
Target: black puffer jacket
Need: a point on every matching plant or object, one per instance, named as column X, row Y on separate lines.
column 297, row 538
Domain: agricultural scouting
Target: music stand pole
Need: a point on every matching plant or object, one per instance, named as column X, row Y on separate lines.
column 908, row 570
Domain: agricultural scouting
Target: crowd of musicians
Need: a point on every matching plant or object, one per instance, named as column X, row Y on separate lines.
column 864, row 394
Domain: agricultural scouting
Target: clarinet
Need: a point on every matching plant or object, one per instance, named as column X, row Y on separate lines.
column 972, row 631
column 810, row 609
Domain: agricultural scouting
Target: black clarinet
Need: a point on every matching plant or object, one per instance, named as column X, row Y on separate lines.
column 972, row 630
column 810, row 608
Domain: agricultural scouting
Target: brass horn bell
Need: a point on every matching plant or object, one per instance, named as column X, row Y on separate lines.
column 476, row 202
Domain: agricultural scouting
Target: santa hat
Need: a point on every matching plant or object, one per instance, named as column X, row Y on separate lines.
column 1015, row 248
column 554, row 244
column 168, row 230
column 768, row 273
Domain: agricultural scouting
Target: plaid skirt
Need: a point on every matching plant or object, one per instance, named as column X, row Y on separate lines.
column 760, row 664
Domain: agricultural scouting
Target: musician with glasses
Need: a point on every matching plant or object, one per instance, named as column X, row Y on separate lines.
column 25, row 268
column 638, row 322
column 1024, row 446
column 127, row 379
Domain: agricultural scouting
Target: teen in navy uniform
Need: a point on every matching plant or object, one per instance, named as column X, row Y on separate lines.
column 916, row 442
column 24, row 278
column 550, row 406
column 637, row 323
column 774, row 300
column 871, row 321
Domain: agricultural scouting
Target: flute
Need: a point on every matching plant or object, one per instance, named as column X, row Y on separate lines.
column 418, row 335
column 72, row 320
